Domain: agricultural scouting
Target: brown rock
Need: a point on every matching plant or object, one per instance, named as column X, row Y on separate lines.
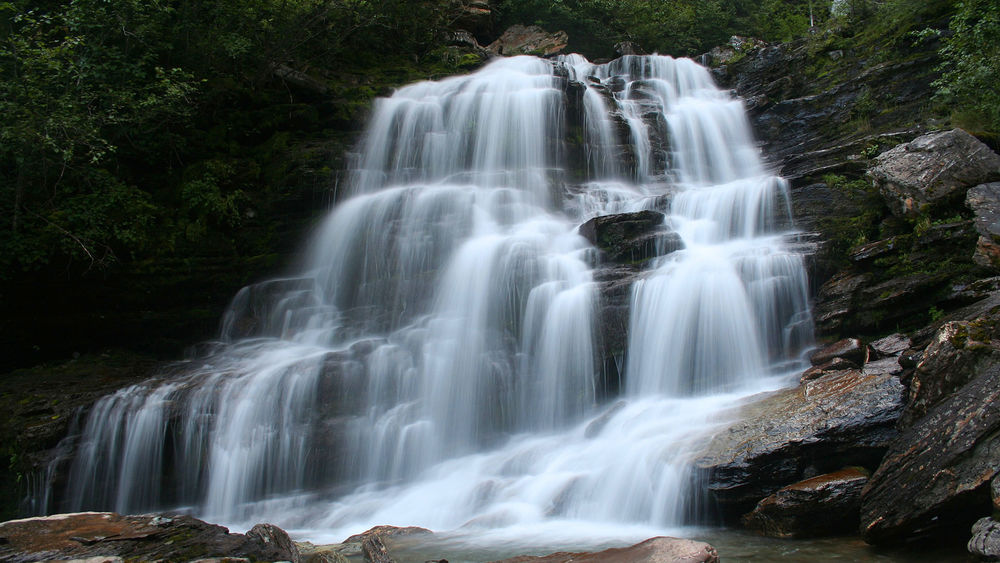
column 530, row 40
column 135, row 538
column 936, row 475
column 653, row 550
column 824, row 505
column 389, row 532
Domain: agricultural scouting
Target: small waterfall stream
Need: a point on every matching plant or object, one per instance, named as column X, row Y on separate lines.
column 439, row 362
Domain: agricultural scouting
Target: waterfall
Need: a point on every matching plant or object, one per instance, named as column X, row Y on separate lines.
column 438, row 361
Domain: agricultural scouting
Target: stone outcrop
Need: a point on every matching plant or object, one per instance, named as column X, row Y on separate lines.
column 825, row 505
column 528, row 40
column 630, row 238
column 841, row 419
column 653, row 550
column 936, row 475
column 934, row 168
column 137, row 538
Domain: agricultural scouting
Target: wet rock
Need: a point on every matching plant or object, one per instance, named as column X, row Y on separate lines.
column 134, row 538
column 628, row 48
column 985, row 542
column 820, row 506
column 628, row 238
column 374, row 550
column 653, row 550
column 937, row 167
column 278, row 546
column 850, row 349
column 995, row 493
column 885, row 366
column 389, row 532
column 528, row 40
column 936, row 475
column 842, row 419
column 835, row 300
column 835, row 364
column 958, row 351
column 984, row 201
column 890, row 346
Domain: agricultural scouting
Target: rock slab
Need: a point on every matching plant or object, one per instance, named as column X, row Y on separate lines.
column 841, row 419
column 822, row 506
column 936, row 475
column 136, row 538
column 654, row 550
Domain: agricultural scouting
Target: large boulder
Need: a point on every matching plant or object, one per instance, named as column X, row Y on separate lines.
column 841, row 419
column 936, row 475
column 528, row 40
column 137, row 538
column 958, row 351
column 985, row 542
column 822, row 506
column 984, row 201
column 653, row 550
column 937, row 167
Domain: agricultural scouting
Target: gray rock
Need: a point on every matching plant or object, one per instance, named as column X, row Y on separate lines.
column 984, row 201
column 985, row 541
column 835, row 364
column 842, row 419
column 885, row 366
column 995, row 493
column 275, row 543
column 936, row 475
column 890, row 346
column 850, row 349
column 936, row 167
column 821, row 506
column 653, row 550
column 627, row 238
column 530, row 40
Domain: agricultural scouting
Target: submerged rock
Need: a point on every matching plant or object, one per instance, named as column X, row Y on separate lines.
column 842, row 419
column 936, row 474
column 821, row 506
column 933, row 168
column 653, row 550
column 137, row 538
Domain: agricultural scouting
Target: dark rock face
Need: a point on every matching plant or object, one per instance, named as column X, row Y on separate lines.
column 850, row 349
column 630, row 238
column 824, row 505
column 937, row 473
column 984, row 201
column 528, row 40
column 933, row 168
column 653, row 550
column 985, row 542
column 137, row 538
column 841, row 419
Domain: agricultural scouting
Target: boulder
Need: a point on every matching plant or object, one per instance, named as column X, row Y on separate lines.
column 822, row 506
column 630, row 238
column 985, row 542
column 937, row 167
column 890, row 346
column 995, row 493
column 936, row 475
column 984, row 201
column 836, row 364
column 850, row 349
column 528, row 40
column 137, row 538
column 654, row 550
column 842, row 419
column 958, row 351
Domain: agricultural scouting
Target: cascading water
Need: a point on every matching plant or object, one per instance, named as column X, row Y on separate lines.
column 439, row 362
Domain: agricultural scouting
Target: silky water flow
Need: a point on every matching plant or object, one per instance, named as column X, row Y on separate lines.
column 439, row 362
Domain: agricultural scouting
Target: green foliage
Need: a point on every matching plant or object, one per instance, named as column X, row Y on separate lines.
column 972, row 65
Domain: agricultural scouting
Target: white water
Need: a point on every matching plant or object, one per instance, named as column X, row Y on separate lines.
column 438, row 363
